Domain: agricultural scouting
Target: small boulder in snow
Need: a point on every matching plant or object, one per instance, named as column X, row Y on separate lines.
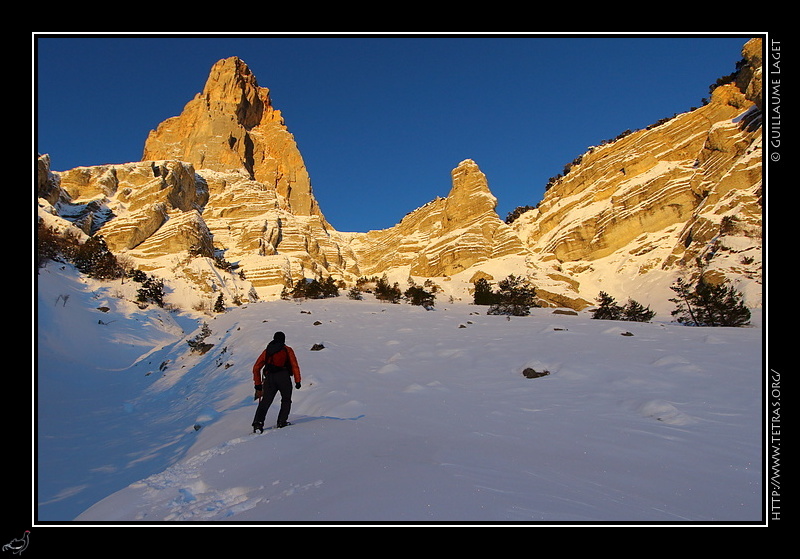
column 532, row 373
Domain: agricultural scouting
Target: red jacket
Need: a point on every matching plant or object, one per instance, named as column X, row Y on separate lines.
column 292, row 365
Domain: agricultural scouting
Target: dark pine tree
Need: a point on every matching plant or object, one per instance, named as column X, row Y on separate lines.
column 709, row 304
column 483, row 294
column 607, row 308
column 515, row 297
column 219, row 306
column 636, row 312
column 417, row 295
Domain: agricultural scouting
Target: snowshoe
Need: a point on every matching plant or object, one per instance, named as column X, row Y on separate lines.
column 258, row 427
column 283, row 424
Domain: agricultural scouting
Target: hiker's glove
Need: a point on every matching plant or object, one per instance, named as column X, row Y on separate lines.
column 258, row 392
column 297, row 385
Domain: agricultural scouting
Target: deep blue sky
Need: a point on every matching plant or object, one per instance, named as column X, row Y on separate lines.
column 381, row 122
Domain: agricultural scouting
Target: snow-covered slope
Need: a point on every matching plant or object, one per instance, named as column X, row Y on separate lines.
column 407, row 415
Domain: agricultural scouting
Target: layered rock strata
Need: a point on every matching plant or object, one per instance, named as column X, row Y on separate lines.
column 231, row 126
column 226, row 179
column 680, row 196
column 444, row 237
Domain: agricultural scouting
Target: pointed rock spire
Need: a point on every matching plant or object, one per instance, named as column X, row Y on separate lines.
column 232, row 127
column 232, row 89
column 470, row 194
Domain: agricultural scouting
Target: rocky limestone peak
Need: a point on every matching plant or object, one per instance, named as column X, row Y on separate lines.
column 231, row 88
column 231, row 127
column 470, row 194
column 444, row 237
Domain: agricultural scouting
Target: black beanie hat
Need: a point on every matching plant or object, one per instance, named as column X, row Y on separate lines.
column 279, row 337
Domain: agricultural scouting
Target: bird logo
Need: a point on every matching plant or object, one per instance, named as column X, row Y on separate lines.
column 18, row 545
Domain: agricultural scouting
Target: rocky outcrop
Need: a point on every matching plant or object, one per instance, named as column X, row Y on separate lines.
column 109, row 199
column 251, row 224
column 444, row 237
column 225, row 180
column 647, row 181
column 231, row 126
column 47, row 187
column 261, row 211
column 684, row 192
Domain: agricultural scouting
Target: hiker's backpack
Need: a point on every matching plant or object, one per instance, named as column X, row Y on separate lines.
column 278, row 361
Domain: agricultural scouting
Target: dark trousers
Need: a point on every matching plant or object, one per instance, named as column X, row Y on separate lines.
column 274, row 383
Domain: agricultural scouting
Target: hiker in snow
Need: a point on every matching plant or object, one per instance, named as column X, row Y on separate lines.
column 273, row 372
